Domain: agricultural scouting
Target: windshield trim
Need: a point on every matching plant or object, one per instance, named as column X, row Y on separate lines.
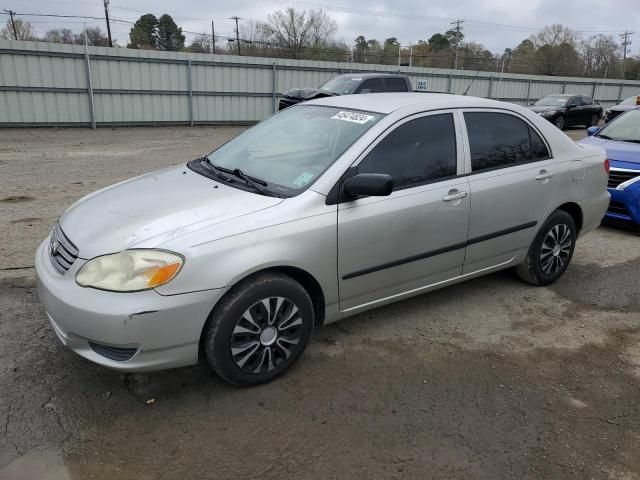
column 284, row 191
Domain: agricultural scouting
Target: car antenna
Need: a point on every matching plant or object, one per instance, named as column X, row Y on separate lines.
column 476, row 76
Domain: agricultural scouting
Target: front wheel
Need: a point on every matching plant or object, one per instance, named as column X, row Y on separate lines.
column 595, row 119
column 560, row 122
column 551, row 250
column 259, row 329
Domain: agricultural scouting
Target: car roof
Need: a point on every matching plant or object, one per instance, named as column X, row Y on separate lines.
column 390, row 102
column 369, row 75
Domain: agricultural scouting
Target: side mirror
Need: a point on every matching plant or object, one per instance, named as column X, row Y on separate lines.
column 592, row 131
column 369, row 184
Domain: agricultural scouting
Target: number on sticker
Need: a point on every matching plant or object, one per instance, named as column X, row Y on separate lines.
column 352, row 117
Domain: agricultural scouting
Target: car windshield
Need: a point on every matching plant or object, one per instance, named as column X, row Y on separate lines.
column 552, row 101
column 625, row 128
column 291, row 149
column 341, row 85
column 635, row 100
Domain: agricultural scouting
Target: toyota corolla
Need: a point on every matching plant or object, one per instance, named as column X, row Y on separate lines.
column 322, row 211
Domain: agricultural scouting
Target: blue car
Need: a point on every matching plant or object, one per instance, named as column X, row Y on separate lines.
column 621, row 140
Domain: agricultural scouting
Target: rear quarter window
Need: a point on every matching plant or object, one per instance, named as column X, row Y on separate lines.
column 395, row 85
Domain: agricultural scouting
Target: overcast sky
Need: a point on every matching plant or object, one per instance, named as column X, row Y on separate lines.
column 408, row 20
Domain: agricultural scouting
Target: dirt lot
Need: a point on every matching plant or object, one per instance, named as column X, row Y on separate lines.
column 489, row 379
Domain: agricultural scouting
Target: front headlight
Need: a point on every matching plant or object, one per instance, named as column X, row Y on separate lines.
column 549, row 113
column 130, row 270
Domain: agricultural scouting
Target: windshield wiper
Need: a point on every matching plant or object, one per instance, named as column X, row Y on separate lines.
column 606, row 137
column 257, row 183
column 217, row 171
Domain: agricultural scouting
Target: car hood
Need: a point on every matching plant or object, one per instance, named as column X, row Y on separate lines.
column 618, row 151
column 307, row 93
column 622, row 108
column 542, row 108
column 149, row 210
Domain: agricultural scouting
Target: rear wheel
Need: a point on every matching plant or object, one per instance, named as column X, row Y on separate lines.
column 560, row 122
column 595, row 119
column 551, row 250
column 259, row 329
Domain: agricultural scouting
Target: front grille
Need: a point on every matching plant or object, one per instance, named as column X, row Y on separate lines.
column 616, row 177
column 62, row 251
column 113, row 353
column 618, row 208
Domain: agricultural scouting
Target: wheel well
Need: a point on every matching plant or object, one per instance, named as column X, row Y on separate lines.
column 310, row 284
column 575, row 211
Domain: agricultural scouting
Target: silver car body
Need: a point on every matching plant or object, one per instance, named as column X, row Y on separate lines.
column 355, row 255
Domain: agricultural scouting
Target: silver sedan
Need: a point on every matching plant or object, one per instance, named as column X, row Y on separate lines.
column 321, row 211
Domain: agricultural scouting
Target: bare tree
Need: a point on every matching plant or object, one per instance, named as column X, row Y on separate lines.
column 24, row 31
column 62, row 35
column 296, row 31
column 600, row 55
column 556, row 50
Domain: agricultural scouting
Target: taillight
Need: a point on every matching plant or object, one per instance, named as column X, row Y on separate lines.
column 607, row 166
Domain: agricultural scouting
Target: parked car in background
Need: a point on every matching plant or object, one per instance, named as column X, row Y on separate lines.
column 624, row 106
column 348, row 84
column 322, row 211
column 621, row 140
column 568, row 110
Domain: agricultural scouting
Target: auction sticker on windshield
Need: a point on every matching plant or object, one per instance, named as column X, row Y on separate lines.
column 352, row 117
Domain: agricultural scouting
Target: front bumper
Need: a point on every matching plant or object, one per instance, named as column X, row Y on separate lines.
column 625, row 204
column 161, row 331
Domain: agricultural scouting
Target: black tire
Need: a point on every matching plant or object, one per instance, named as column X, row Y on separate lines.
column 560, row 122
column 595, row 120
column 535, row 269
column 228, row 331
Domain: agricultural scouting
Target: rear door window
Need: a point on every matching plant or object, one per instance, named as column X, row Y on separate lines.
column 499, row 140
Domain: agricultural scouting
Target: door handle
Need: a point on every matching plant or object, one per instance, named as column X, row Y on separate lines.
column 454, row 195
column 544, row 175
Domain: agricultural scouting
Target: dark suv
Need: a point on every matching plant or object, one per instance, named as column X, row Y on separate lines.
column 348, row 84
column 567, row 110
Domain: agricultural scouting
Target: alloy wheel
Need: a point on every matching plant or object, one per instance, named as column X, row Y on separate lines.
column 595, row 120
column 556, row 249
column 560, row 122
column 266, row 335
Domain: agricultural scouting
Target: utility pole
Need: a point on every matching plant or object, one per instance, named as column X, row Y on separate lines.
column 236, row 18
column 411, row 53
column 458, row 24
column 106, row 16
column 13, row 23
column 213, row 37
column 625, row 43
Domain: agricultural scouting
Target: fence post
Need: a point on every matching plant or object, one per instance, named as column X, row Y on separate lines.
column 92, row 108
column 529, row 92
column 564, row 87
column 620, row 92
column 449, row 83
column 490, row 87
column 189, row 86
column 593, row 90
column 273, row 87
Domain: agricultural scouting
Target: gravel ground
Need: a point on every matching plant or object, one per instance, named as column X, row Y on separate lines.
column 489, row 379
